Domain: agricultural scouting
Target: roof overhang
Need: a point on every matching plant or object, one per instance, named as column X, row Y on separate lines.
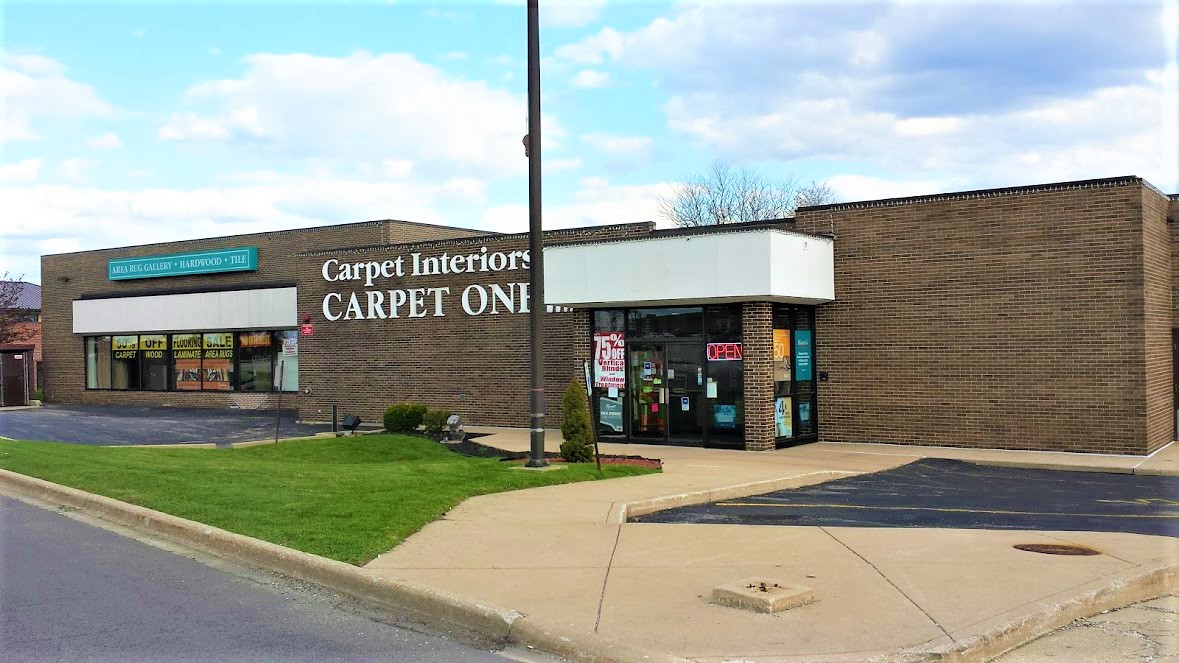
column 754, row 265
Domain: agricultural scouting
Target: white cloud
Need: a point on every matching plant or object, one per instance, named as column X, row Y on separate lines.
column 453, row 56
column 596, row 203
column 607, row 44
column 558, row 165
column 22, row 171
column 82, row 218
column 570, row 13
column 107, row 141
column 863, row 187
column 1119, row 130
column 74, row 170
column 619, row 145
column 591, row 78
column 34, row 86
column 357, row 108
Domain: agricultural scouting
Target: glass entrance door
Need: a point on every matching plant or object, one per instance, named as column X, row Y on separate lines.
column 648, row 393
column 686, row 406
column 667, row 393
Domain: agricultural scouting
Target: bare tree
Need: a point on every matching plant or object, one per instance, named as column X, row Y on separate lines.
column 11, row 317
column 723, row 194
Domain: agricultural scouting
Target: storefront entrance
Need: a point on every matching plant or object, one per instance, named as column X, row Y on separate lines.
column 668, row 398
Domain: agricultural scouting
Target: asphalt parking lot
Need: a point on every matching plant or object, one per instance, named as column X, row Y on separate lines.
column 955, row 494
column 104, row 425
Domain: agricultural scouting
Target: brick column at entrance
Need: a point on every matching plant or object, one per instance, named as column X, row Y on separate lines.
column 757, row 337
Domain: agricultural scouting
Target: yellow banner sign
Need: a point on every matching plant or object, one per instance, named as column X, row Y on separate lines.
column 186, row 342
column 219, row 341
column 254, row 339
column 153, row 342
column 124, row 343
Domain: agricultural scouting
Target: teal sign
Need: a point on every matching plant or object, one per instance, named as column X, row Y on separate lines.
column 610, row 413
column 213, row 261
column 803, row 362
column 724, row 416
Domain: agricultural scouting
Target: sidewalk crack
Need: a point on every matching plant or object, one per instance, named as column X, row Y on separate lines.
column 889, row 581
column 606, row 579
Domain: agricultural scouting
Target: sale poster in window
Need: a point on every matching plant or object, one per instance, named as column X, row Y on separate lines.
column 802, row 355
column 217, row 365
column 609, row 359
column 781, row 355
column 186, row 361
column 782, row 417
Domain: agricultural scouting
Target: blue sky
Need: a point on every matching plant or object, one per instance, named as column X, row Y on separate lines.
column 141, row 122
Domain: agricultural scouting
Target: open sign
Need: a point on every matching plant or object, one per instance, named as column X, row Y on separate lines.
column 724, row 352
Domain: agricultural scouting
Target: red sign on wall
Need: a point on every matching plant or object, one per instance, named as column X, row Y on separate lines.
column 724, row 352
column 306, row 329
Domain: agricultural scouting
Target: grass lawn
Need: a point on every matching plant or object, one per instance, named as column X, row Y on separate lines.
column 348, row 498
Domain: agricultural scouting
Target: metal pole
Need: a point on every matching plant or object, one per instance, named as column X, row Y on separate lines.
column 535, row 247
column 278, row 403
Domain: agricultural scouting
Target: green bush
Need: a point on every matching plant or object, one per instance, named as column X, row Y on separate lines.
column 37, row 395
column 435, row 423
column 578, row 446
column 404, row 417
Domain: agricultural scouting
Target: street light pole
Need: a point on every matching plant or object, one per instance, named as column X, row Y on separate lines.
column 535, row 246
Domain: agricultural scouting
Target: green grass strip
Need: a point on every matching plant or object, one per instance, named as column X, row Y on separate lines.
column 348, row 499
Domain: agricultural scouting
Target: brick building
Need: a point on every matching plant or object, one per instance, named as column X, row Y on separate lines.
column 20, row 351
column 1036, row 317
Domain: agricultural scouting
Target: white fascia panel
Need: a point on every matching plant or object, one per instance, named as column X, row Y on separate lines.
column 270, row 308
column 755, row 265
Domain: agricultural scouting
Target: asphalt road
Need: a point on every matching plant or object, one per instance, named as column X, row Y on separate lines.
column 91, row 424
column 70, row 591
column 955, row 494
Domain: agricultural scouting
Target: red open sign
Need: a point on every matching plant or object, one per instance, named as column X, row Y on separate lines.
column 724, row 352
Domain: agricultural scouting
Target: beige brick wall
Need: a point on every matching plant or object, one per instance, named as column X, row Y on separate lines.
column 1157, row 319
column 757, row 336
column 476, row 366
column 1007, row 321
column 66, row 277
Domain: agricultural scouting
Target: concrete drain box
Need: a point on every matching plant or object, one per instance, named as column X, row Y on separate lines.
column 762, row 595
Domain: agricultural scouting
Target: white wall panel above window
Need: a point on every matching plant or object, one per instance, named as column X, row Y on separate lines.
column 714, row 267
column 270, row 308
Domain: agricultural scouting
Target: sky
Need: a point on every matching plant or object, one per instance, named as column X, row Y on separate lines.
column 143, row 122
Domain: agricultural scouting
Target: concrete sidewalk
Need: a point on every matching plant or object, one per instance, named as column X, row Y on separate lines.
column 566, row 554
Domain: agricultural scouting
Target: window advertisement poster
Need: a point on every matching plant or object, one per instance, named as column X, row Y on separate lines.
column 803, row 359
column 781, row 355
column 186, row 361
column 804, row 412
column 724, row 416
column 125, row 347
column 254, row 340
column 610, row 414
column 610, row 359
column 286, row 364
column 782, row 427
column 153, row 345
column 217, row 366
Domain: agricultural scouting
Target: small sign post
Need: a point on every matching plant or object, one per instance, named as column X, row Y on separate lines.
column 589, row 395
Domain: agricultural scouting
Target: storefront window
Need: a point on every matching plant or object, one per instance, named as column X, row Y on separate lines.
column 217, row 361
column 186, row 361
column 794, row 372
column 286, row 364
column 98, row 362
column 125, row 362
column 608, row 367
column 666, row 322
column 255, row 361
column 153, row 357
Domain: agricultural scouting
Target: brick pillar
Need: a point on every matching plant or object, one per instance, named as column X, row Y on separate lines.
column 757, row 337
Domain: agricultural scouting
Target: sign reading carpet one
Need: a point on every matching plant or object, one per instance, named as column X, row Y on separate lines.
column 375, row 303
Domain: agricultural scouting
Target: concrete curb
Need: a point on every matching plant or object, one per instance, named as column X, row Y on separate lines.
column 1005, row 632
column 471, row 619
column 646, row 507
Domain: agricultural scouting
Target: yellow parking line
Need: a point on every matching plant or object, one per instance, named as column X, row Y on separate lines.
column 948, row 510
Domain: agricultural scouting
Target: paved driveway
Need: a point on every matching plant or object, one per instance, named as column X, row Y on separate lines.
column 955, row 494
column 87, row 424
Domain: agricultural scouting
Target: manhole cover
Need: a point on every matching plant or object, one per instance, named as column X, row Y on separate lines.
column 1056, row 549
